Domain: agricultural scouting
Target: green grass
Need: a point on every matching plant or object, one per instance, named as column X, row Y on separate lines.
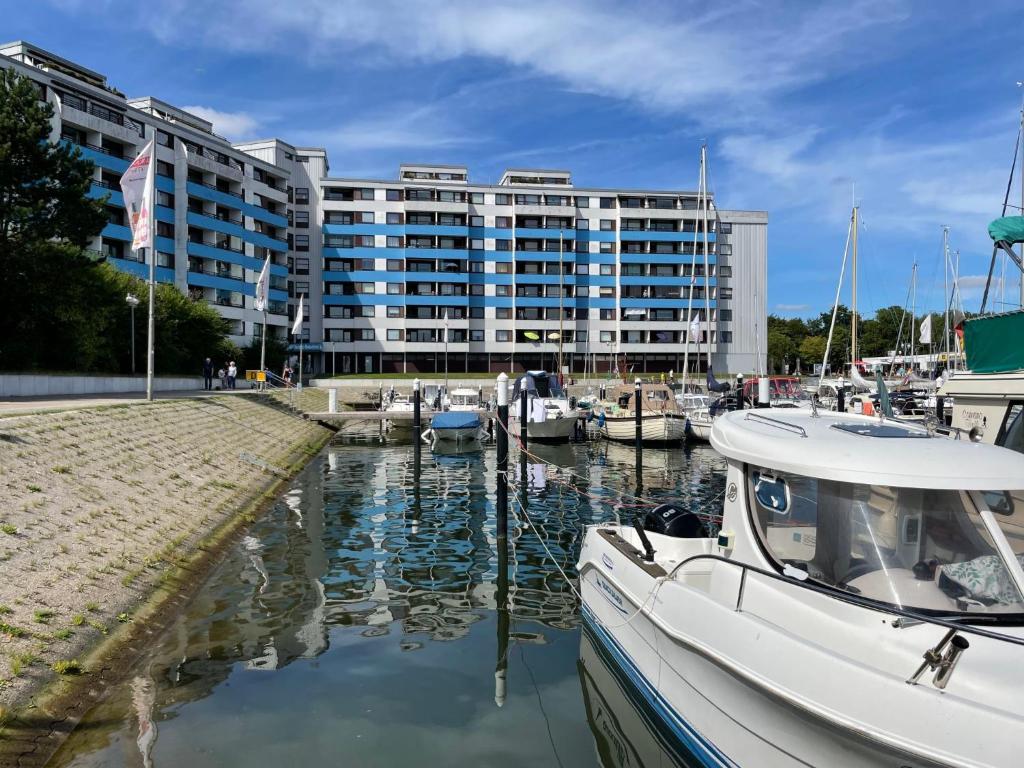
column 10, row 530
column 5, row 609
column 67, row 667
column 11, row 630
column 43, row 616
column 62, row 634
column 92, row 607
column 61, row 469
column 34, row 488
column 78, row 619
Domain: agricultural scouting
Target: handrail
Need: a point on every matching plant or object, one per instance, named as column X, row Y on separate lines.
column 847, row 597
column 778, row 423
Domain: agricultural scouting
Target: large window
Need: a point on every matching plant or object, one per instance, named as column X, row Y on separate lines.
column 921, row 548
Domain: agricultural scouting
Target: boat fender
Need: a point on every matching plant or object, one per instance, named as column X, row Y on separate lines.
column 669, row 520
column 868, row 409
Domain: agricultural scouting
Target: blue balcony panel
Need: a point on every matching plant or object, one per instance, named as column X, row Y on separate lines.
column 362, row 276
column 497, row 301
column 434, row 277
column 163, row 274
column 544, row 256
column 542, row 301
column 548, row 234
column 203, row 280
column 232, row 257
column 102, row 159
column 364, row 229
column 664, row 258
column 115, row 197
column 599, row 280
column 673, row 237
column 436, row 229
column 492, row 278
column 232, row 201
column 117, row 232
column 362, row 252
column 165, row 184
column 649, row 280
column 451, row 301
column 230, row 228
column 495, row 256
column 436, row 253
column 544, row 279
column 650, row 303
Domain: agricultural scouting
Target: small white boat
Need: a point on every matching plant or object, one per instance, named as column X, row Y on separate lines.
column 464, row 399
column 455, row 426
column 697, row 407
column 862, row 604
column 661, row 418
column 549, row 416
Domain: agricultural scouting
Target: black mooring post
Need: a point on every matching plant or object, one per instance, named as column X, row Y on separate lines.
column 502, row 501
column 416, row 421
column 524, row 412
column 739, row 392
column 504, row 620
column 940, row 409
column 638, row 406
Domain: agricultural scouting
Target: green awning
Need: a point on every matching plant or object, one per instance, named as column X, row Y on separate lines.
column 995, row 343
column 1008, row 228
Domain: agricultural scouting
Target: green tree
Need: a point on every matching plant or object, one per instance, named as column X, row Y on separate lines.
column 45, row 221
column 781, row 349
column 812, row 351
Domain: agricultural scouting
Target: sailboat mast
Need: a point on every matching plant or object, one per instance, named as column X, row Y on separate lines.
column 704, row 226
column 561, row 299
column 689, row 302
column 913, row 315
column 853, row 317
column 945, row 291
column 1021, row 134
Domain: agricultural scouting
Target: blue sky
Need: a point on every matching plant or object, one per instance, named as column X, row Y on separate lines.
column 914, row 103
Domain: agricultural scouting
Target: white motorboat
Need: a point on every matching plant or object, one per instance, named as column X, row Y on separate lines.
column 697, row 408
column 851, row 549
column 455, row 426
column 550, row 418
column 988, row 405
column 464, row 399
column 661, row 418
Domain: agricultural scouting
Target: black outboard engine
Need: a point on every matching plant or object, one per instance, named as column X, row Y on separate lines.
column 670, row 520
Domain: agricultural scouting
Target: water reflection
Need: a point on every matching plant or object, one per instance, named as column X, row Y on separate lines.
column 371, row 616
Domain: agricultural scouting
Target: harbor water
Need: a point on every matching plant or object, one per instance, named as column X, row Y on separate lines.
column 363, row 622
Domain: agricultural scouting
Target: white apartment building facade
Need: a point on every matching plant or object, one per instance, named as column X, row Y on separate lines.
column 428, row 270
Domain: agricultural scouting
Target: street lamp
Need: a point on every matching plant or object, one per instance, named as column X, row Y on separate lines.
column 132, row 302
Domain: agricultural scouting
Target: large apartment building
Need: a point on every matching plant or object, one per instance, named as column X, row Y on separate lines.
column 427, row 270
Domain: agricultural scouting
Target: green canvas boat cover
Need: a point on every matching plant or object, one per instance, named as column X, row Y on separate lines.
column 1008, row 228
column 995, row 343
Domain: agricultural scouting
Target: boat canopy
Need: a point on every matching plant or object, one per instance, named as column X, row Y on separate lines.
column 538, row 384
column 1008, row 229
column 455, row 420
column 994, row 342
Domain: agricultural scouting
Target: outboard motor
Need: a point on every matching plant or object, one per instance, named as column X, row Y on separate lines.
column 670, row 520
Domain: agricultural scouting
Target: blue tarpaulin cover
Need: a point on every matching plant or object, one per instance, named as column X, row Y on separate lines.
column 455, row 420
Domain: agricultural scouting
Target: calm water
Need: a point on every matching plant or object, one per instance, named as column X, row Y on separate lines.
column 358, row 624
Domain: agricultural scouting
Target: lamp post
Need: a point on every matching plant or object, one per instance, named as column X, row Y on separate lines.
column 132, row 303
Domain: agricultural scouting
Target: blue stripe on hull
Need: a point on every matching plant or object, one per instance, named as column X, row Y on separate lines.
column 696, row 745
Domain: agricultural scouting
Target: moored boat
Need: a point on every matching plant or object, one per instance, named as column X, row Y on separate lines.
column 851, row 548
column 550, row 416
column 661, row 418
column 456, row 426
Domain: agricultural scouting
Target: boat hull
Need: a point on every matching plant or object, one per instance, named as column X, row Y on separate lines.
column 558, row 430
column 457, row 434
column 699, row 429
column 656, row 428
column 723, row 680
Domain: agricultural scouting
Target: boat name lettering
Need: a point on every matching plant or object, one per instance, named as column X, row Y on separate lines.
column 611, row 593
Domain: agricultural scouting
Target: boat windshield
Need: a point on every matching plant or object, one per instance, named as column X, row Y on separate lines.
column 548, row 386
column 1013, row 435
column 921, row 549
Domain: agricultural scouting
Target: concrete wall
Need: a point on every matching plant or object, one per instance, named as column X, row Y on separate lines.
column 40, row 385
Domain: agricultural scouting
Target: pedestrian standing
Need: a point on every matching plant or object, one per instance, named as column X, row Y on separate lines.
column 208, row 374
column 222, row 374
column 232, row 374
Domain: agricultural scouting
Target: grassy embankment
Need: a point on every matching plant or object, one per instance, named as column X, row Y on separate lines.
column 109, row 512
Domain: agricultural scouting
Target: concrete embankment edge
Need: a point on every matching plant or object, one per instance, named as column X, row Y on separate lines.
column 40, row 714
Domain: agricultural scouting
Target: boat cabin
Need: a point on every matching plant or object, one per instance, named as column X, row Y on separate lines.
column 538, row 384
column 657, row 398
column 464, row 399
column 879, row 509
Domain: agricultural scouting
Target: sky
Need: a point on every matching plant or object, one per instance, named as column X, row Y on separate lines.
column 909, row 108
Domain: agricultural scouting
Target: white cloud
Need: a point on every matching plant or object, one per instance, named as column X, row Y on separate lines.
column 792, row 308
column 233, row 125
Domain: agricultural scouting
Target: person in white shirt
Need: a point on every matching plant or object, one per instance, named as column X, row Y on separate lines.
column 232, row 373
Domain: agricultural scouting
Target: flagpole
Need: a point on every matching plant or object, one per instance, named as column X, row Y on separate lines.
column 263, row 352
column 150, row 357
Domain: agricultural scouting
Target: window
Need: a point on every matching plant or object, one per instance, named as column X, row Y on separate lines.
column 502, row 199
column 476, row 290
column 582, row 202
column 582, row 223
column 395, row 289
column 365, row 287
column 363, row 241
column 607, row 202
column 476, row 334
column 724, row 270
column 725, row 293
column 393, row 195
column 582, row 291
column 363, row 194
column 477, row 198
column 367, row 334
column 301, row 219
column 503, row 268
column 394, row 334
column 607, row 269
column 503, row 245
column 607, row 225
column 607, row 337
column 607, row 248
column 394, row 265
column 607, row 314
column 302, row 242
column 502, row 313
column 503, row 222
column 394, row 312
column 503, row 290
column 366, row 264
column 501, row 336
column 476, row 266
column 302, row 195
column 725, row 227
column 476, row 244
column 607, row 291
column 476, row 221
column 301, row 267
column 394, row 218
column 725, row 337
column 394, row 242
column 366, row 311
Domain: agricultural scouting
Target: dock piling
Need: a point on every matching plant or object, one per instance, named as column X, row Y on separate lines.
column 416, row 420
column 639, row 430
column 739, row 391
column 940, row 409
column 502, row 499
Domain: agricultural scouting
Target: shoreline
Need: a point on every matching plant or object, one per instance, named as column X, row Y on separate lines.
column 39, row 708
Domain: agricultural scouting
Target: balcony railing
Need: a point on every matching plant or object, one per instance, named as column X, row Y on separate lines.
column 222, row 245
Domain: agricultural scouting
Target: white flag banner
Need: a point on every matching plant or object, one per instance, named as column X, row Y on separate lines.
column 926, row 330
column 263, row 287
column 695, row 327
column 297, row 325
column 137, row 186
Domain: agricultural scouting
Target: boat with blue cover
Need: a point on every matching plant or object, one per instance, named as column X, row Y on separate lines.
column 456, row 425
